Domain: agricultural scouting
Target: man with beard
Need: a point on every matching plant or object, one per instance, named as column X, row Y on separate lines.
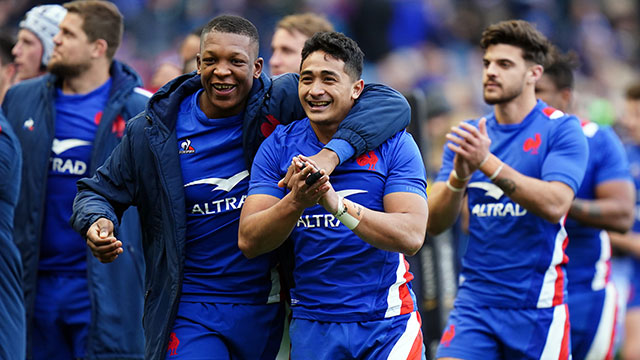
column 68, row 122
column 516, row 171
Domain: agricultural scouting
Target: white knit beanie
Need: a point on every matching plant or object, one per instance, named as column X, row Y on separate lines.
column 43, row 21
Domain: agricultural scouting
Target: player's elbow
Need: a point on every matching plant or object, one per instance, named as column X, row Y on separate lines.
column 248, row 247
column 414, row 241
column 413, row 247
column 554, row 215
column 624, row 221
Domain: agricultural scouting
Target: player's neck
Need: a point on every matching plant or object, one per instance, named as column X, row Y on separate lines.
column 514, row 111
column 87, row 81
column 324, row 130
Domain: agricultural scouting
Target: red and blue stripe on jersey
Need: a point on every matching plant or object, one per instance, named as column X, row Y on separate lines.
column 589, row 248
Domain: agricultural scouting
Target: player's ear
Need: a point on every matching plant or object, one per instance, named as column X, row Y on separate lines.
column 535, row 73
column 356, row 89
column 257, row 67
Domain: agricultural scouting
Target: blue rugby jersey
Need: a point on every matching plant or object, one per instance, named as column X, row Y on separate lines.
column 589, row 248
column 77, row 119
column 215, row 184
column 338, row 276
column 633, row 155
column 514, row 258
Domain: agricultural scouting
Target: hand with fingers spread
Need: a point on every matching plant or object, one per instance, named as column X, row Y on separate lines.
column 470, row 143
column 103, row 244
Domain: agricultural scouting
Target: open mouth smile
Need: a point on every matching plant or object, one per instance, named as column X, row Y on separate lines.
column 318, row 105
column 224, row 88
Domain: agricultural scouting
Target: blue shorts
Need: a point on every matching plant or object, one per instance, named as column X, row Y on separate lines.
column 226, row 331
column 62, row 314
column 593, row 318
column 398, row 337
column 480, row 333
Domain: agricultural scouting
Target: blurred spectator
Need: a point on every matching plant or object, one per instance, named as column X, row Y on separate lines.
column 190, row 46
column 164, row 73
column 7, row 67
column 287, row 42
column 35, row 40
column 190, row 65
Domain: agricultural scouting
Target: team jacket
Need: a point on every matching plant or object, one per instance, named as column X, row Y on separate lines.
column 12, row 329
column 115, row 290
column 144, row 170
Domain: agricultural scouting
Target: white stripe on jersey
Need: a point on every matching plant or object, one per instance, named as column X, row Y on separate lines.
column 394, row 302
column 402, row 348
column 274, row 294
column 548, row 290
column 553, row 345
column 142, row 91
column 604, row 335
column 599, row 280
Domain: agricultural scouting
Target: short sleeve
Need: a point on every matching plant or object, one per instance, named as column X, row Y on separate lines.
column 266, row 170
column 406, row 169
column 611, row 163
column 566, row 160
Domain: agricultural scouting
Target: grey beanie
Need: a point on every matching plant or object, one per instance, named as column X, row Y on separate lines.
column 43, row 21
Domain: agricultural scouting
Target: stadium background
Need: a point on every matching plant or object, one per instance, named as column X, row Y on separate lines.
column 428, row 50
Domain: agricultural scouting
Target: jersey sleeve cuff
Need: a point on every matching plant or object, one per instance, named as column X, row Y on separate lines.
column 405, row 188
column 267, row 190
column 342, row 148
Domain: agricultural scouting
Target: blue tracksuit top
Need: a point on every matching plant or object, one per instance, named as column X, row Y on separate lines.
column 12, row 329
column 30, row 109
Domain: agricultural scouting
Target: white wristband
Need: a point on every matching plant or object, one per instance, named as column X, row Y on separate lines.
column 453, row 188
column 497, row 172
column 455, row 175
column 343, row 215
column 483, row 161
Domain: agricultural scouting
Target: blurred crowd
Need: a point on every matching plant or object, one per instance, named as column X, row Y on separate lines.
column 429, row 45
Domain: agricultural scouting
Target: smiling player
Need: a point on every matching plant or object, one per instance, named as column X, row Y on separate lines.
column 349, row 235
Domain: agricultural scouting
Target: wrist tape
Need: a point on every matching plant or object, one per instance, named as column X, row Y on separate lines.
column 347, row 213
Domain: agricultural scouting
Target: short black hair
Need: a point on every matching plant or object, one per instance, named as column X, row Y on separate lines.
column 560, row 68
column 6, row 44
column 338, row 46
column 535, row 46
column 633, row 92
column 231, row 24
